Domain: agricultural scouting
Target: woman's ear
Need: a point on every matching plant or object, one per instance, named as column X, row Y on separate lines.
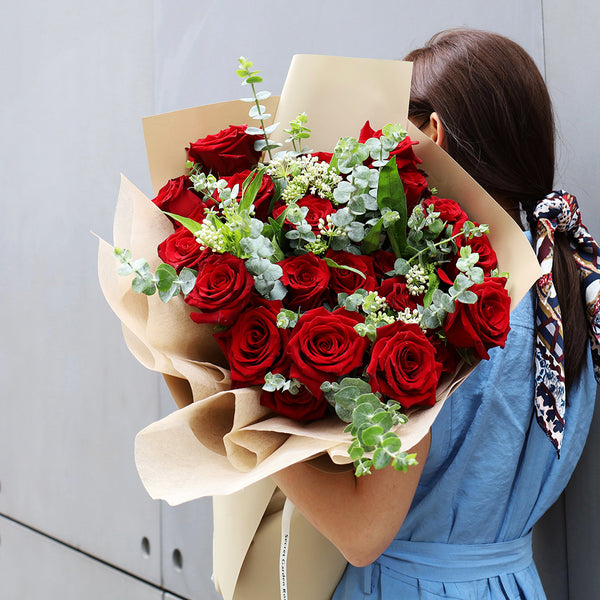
column 435, row 130
column 438, row 129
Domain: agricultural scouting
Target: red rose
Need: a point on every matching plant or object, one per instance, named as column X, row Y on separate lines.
column 413, row 180
column 397, row 295
column 181, row 249
column 488, row 260
column 450, row 211
column 484, row 324
column 368, row 132
column 403, row 365
column 263, row 196
column 307, row 280
column 445, row 354
column 318, row 208
column 487, row 257
column 383, row 263
column 302, row 406
column 254, row 344
column 176, row 197
column 346, row 281
column 227, row 152
column 223, row 289
column 324, row 346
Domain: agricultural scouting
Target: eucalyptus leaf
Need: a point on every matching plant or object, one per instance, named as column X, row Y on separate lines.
column 461, row 283
column 271, row 128
column 356, row 232
column 347, row 396
column 256, row 111
column 391, row 443
column 430, row 320
column 142, row 285
column 381, row 458
column 355, row 451
column 356, row 204
column 166, row 295
column 401, row 266
column 363, row 467
column 370, row 399
column 342, row 217
column 278, row 291
column 165, row 275
column 343, row 413
column 361, row 384
column 467, row 297
column 370, row 435
column 187, row 280
column 260, row 145
column 476, row 275
column 254, row 130
column 125, row 270
column 384, row 419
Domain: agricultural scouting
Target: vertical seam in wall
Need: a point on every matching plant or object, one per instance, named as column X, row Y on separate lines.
column 161, row 508
column 543, row 36
column 154, row 59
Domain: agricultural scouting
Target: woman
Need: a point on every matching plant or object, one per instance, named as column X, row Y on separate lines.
column 459, row 525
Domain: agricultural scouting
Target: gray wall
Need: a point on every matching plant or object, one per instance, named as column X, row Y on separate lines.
column 76, row 78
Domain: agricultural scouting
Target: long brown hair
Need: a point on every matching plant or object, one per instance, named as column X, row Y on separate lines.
column 498, row 124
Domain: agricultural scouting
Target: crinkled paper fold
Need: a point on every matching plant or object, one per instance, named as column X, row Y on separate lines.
column 220, row 440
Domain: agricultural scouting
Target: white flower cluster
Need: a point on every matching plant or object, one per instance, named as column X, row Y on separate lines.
column 409, row 316
column 208, row 236
column 374, row 303
column 308, row 176
column 416, row 280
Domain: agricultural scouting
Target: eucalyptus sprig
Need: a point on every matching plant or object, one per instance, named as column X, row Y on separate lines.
column 258, row 111
column 166, row 280
column 298, row 132
column 370, row 424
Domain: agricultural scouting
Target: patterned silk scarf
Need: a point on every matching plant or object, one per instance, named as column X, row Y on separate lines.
column 559, row 211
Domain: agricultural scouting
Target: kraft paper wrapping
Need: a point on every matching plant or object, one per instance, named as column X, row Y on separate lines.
column 220, row 440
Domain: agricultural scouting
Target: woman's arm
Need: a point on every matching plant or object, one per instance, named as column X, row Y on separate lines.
column 360, row 516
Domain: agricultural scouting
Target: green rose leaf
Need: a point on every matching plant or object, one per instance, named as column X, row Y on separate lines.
column 390, row 195
column 189, row 224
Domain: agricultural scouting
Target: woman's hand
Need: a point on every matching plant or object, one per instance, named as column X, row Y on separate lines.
column 360, row 516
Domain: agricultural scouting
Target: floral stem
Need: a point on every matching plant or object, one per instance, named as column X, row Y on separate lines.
column 261, row 121
column 450, row 239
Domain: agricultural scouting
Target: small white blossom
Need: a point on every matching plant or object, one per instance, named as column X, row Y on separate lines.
column 416, row 280
column 208, row 236
column 306, row 175
column 409, row 316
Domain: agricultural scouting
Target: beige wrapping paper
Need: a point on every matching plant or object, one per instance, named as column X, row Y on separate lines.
column 222, row 441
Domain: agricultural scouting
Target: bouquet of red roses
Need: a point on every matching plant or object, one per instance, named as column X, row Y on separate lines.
column 337, row 282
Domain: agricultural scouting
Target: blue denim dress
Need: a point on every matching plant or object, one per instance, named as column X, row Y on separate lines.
column 490, row 475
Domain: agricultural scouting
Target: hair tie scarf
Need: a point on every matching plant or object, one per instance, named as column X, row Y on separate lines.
column 559, row 211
